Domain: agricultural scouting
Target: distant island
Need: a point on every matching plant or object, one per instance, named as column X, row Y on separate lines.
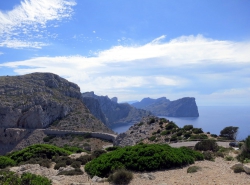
column 184, row 107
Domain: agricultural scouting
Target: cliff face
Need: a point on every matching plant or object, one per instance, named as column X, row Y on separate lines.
column 184, row 107
column 40, row 100
column 113, row 112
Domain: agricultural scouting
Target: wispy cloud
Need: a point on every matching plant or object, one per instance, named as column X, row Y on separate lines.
column 30, row 18
column 182, row 66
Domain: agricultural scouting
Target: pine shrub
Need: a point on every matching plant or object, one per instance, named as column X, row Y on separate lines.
column 121, row 177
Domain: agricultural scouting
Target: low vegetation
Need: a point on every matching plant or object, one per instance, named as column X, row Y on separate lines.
column 193, row 169
column 143, row 157
column 121, row 177
column 10, row 178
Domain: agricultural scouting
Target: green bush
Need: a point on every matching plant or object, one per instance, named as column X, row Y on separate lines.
column 171, row 125
column 76, row 164
column 229, row 158
column 152, row 138
column 188, row 127
column 145, row 157
column 121, row 177
column 152, row 120
column 31, row 179
column 198, row 137
column 179, row 133
column 6, row 161
column 197, row 130
column 187, row 134
column 193, row 169
column 10, row 178
column 208, row 155
column 41, row 161
column 165, row 132
column 245, row 150
column 85, row 158
column 37, row 151
column 214, row 135
column 76, row 171
column 48, row 138
column 239, row 170
column 112, row 148
column 97, row 153
column 74, row 149
column 206, row 145
column 59, row 165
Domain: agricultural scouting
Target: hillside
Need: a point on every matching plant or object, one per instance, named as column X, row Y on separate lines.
column 184, row 107
column 42, row 100
column 110, row 112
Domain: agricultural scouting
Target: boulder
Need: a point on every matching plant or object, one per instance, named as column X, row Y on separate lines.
column 246, row 167
column 237, row 165
column 147, row 176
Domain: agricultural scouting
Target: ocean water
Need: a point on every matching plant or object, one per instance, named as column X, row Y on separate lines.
column 212, row 119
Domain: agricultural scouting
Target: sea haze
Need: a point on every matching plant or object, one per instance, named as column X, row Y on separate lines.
column 212, row 119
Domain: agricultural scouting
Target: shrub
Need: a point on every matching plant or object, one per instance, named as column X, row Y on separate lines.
column 214, row 135
column 164, row 120
column 84, row 159
column 112, row 148
column 239, row 169
column 193, row 169
column 76, row 164
column 140, row 124
column 152, row 138
column 174, row 138
column 171, row 125
column 97, row 153
column 74, row 149
column 63, row 159
column 219, row 154
column 187, row 134
column 245, row 150
column 6, row 161
column 229, row 158
column 10, row 178
column 188, row 127
column 31, row 179
column 59, row 165
column 165, row 132
column 76, row 171
column 207, row 145
column 37, row 151
column 121, row 177
column 42, row 162
column 179, row 133
column 208, row 155
column 197, row 130
column 198, row 137
column 146, row 157
column 48, row 138
column 229, row 132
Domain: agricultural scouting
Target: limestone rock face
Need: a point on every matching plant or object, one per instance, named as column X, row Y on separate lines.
column 184, row 107
column 246, row 167
column 114, row 113
column 39, row 99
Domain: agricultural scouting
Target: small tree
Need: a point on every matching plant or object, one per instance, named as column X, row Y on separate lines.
column 229, row 132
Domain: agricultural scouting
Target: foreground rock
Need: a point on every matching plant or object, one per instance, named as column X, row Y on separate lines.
column 184, row 107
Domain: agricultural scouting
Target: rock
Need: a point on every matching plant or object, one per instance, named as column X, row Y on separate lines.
column 110, row 112
column 184, row 107
column 41, row 100
column 147, row 176
column 237, row 165
column 67, row 168
column 97, row 179
column 246, row 167
column 77, row 155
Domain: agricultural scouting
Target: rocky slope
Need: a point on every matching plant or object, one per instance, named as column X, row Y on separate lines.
column 110, row 112
column 184, row 107
column 41, row 100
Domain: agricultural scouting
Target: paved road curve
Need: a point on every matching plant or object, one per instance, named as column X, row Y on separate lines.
column 192, row 144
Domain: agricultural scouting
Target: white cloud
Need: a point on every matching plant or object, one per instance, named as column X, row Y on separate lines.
column 122, row 69
column 18, row 44
column 31, row 16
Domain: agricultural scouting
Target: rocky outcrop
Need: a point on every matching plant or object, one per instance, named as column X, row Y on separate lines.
column 184, row 107
column 114, row 113
column 41, row 100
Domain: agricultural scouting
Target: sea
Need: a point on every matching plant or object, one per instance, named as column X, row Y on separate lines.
column 212, row 119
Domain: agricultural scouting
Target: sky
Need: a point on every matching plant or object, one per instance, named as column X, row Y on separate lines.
column 132, row 49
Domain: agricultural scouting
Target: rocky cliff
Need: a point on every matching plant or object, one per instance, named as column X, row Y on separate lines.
column 184, row 107
column 41, row 100
column 113, row 112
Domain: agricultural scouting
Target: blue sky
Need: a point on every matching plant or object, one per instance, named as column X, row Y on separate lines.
column 133, row 49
